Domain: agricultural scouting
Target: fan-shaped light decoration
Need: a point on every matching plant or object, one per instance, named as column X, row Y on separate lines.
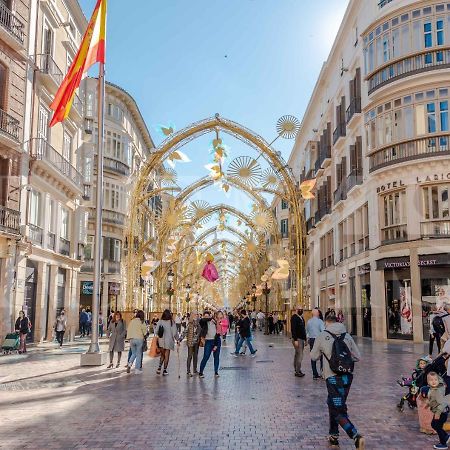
column 246, row 170
column 263, row 220
column 173, row 216
column 288, row 127
column 197, row 211
column 269, row 179
column 167, row 175
column 282, row 272
column 306, row 189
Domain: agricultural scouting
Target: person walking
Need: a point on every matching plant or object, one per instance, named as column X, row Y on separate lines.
column 100, row 324
column 245, row 334
column 230, row 320
column 192, row 342
column 260, row 320
column 136, row 333
column 271, row 324
column 298, row 340
column 276, row 319
column 88, row 322
column 60, row 327
column 23, row 327
column 117, row 332
column 335, row 337
column 83, row 322
column 224, row 326
column 314, row 327
column 178, row 320
column 167, row 336
column 211, row 333
column 434, row 335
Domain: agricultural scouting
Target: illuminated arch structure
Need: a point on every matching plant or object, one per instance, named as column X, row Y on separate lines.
column 139, row 248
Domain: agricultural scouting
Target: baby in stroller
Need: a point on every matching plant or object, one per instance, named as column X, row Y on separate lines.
column 414, row 383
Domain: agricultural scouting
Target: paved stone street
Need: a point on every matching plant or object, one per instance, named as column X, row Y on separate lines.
column 48, row 401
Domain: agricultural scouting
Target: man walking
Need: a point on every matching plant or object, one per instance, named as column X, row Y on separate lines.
column 245, row 334
column 298, row 340
column 314, row 327
column 260, row 319
column 83, row 322
column 337, row 346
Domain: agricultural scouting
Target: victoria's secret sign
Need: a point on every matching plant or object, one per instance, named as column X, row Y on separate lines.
column 403, row 261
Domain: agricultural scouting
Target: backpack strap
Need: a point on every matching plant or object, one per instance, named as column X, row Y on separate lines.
column 335, row 336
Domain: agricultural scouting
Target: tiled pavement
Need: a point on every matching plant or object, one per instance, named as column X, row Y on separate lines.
column 48, row 402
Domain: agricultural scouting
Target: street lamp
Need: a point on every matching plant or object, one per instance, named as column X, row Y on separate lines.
column 254, row 296
column 188, row 298
column 170, row 290
column 197, row 298
column 247, row 299
column 266, row 292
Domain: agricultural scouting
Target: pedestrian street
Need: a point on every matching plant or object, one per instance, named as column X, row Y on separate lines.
column 49, row 402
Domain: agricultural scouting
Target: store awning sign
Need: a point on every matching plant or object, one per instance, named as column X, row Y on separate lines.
column 87, row 287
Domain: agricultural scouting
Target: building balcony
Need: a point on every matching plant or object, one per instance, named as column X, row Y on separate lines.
column 339, row 132
column 9, row 128
column 80, row 252
column 113, row 267
column 76, row 111
column 36, row 234
column 310, row 224
column 56, row 164
column 12, row 30
column 9, row 220
column 353, row 111
column 64, row 246
column 436, row 229
column 321, row 213
column 51, row 241
column 383, row 3
column 354, row 178
column 425, row 61
column 108, row 216
column 88, row 266
column 50, row 74
column 87, row 192
column 113, row 165
column 437, row 145
column 340, row 194
column 393, row 234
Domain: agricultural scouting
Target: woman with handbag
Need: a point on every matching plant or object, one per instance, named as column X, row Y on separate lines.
column 211, row 333
column 117, row 332
column 167, row 335
column 192, row 341
column 136, row 333
column 23, row 327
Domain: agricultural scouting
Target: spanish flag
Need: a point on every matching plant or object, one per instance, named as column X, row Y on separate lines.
column 92, row 50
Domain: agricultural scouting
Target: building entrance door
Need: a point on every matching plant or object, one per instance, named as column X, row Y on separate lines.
column 29, row 305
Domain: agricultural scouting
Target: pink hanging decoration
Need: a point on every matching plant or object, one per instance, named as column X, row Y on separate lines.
column 210, row 272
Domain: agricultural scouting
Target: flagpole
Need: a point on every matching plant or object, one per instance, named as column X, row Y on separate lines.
column 94, row 346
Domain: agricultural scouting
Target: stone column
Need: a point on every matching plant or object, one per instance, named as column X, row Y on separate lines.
column 359, row 320
column 52, row 299
column 416, row 295
column 40, row 318
column 378, row 304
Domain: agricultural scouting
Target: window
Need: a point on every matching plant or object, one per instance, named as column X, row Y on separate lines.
column 67, row 146
column 43, row 116
column 64, row 231
column 89, row 248
column 51, row 216
column 443, row 109
column 435, row 202
column 440, row 32
column 115, row 112
column 3, row 86
column 284, row 204
column 90, row 104
column 35, row 208
column 61, row 290
column 394, row 217
column 428, row 34
column 431, row 117
column 284, row 228
column 114, row 146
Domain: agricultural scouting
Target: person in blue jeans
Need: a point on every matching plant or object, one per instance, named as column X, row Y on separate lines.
column 211, row 334
column 245, row 334
column 314, row 327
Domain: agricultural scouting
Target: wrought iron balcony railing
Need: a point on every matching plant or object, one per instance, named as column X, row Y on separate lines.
column 341, row 192
column 11, row 23
column 47, row 65
column 9, row 125
column 9, row 220
column 340, row 131
column 393, row 234
column 435, row 229
column 36, row 234
column 354, row 178
column 51, row 241
column 64, row 246
column 353, row 108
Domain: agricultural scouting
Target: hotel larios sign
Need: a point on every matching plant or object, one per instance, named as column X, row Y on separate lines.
column 419, row 180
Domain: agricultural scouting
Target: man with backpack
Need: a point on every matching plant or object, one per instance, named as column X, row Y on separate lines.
column 340, row 352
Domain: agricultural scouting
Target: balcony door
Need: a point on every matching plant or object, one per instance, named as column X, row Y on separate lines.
column 5, row 169
column 47, row 48
column 43, row 121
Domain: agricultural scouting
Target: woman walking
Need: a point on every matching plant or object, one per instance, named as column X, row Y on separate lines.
column 211, row 333
column 137, row 331
column 192, row 341
column 117, row 331
column 224, row 325
column 167, row 335
column 22, row 327
column 60, row 327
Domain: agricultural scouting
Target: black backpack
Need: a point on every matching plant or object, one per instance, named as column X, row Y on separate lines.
column 438, row 324
column 160, row 331
column 341, row 361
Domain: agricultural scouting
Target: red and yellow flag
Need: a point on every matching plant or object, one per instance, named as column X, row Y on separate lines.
column 92, row 50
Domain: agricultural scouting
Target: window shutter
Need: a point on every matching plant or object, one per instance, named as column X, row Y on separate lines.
column 358, row 153
column 344, row 166
column 4, row 180
column 342, row 117
column 351, row 88
column 353, row 161
column 358, row 83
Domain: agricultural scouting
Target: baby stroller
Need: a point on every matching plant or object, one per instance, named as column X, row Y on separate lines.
column 418, row 379
column 11, row 343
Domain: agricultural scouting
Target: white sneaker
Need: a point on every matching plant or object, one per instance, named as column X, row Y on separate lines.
column 138, row 371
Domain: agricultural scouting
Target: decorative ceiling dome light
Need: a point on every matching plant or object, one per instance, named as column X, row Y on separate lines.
column 197, row 211
column 246, row 170
column 288, row 127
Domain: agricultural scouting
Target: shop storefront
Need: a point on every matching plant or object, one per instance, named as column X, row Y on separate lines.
column 86, row 292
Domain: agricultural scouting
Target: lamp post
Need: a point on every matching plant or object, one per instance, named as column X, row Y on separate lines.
column 254, row 296
column 247, row 299
column 266, row 292
column 170, row 290
column 188, row 298
column 197, row 298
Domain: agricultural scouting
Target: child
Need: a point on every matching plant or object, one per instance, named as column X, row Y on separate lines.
column 439, row 404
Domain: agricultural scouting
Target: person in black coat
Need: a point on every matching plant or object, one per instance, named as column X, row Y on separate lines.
column 22, row 327
column 245, row 334
column 298, row 331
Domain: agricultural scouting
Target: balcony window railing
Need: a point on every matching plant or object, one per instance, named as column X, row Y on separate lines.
column 42, row 150
column 51, row 241
column 353, row 108
column 421, row 62
column 114, row 165
column 354, row 178
column 394, row 233
column 80, row 252
column 113, row 267
column 77, row 104
column 9, row 220
column 9, row 124
column 87, row 191
column 340, row 131
column 410, row 150
column 435, row 229
column 341, row 192
column 383, row 3
column 36, row 234
column 11, row 23
column 64, row 246
column 108, row 216
column 46, row 64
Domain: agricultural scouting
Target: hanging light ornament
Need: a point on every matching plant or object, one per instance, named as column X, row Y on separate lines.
column 245, row 170
column 288, row 127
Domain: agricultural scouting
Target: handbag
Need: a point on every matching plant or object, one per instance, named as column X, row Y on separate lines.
column 202, row 342
column 144, row 345
column 154, row 350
